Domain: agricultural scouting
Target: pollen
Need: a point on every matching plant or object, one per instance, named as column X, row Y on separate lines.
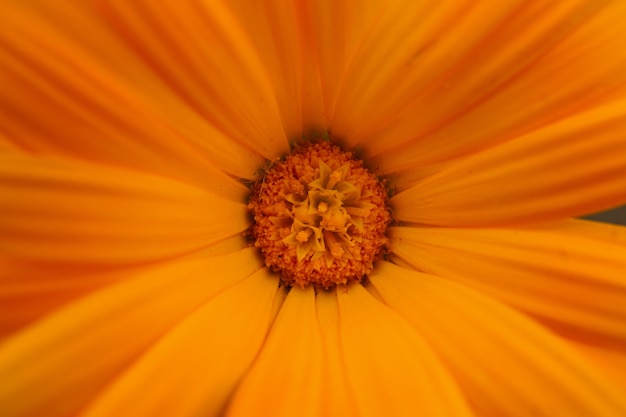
column 303, row 236
column 320, row 217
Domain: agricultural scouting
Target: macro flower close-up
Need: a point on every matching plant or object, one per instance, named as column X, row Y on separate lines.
column 312, row 208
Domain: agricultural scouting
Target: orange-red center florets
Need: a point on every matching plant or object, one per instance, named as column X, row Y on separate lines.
column 319, row 217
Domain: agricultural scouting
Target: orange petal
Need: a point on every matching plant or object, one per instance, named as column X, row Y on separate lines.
column 338, row 29
column 285, row 380
column 202, row 52
column 410, row 58
column 606, row 232
column 337, row 396
column 279, row 32
column 31, row 289
column 569, row 168
column 63, row 361
column 329, row 380
column 66, row 211
column 406, row 49
column 208, row 352
column 610, row 361
column 571, row 281
column 63, row 95
column 504, row 68
column 391, row 370
column 6, row 144
column 506, row 363
column 608, row 356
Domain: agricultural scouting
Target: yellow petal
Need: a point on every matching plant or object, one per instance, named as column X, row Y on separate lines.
column 62, row 362
column 71, row 87
column 506, row 363
column 569, row 168
column 568, row 280
column 493, row 71
column 66, row 211
column 391, row 370
column 285, row 380
column 195, row 366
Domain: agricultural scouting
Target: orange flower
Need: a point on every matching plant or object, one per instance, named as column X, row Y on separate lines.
column 129, row 128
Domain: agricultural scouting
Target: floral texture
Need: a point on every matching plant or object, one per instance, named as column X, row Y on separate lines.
column 130, row 132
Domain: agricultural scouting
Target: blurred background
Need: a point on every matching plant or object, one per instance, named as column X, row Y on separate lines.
column 615, row 216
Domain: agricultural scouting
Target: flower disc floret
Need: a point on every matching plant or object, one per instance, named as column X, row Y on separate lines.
column 319, row 217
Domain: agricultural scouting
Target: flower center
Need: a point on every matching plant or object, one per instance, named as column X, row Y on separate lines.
column 319, row 217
